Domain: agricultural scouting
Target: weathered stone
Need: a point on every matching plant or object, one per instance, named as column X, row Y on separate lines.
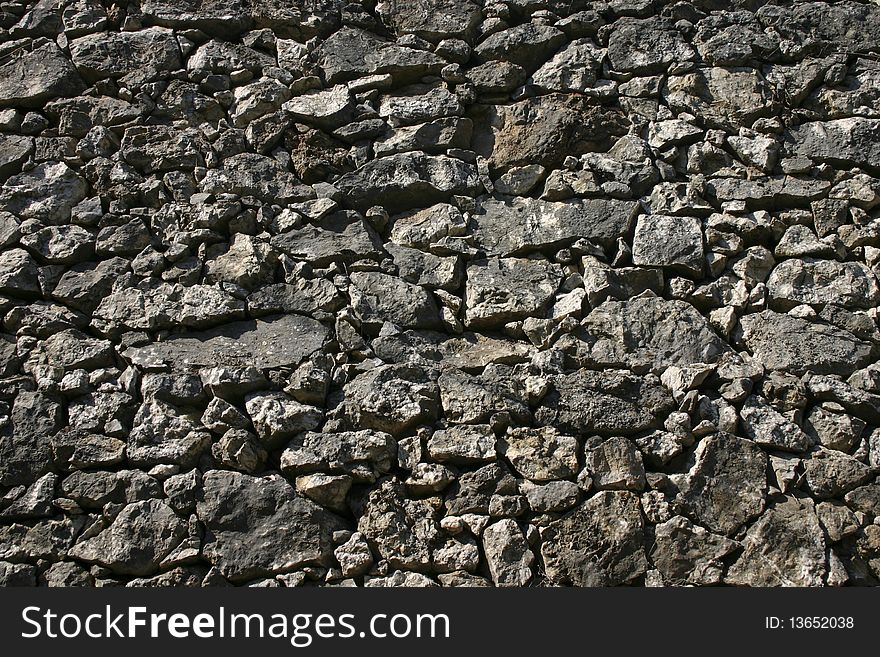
column 572, row 69
column 365, row 455
column 818, row 282
column 656, row 333
column 769, row 428
column 338, row 236
column 136, row 541
column 506, row 136
column 830, row 473
column 783, row 342
column 277, row 416
column 115, row 54
column 540, row 454
column 723, row 97
column 507, row 553
column 20, row 86
column 279, row 341
column 260, row 526
column 727, row 484
column 463, row 444
column 607, row 402
column 599, row 543
column 507, row 289
column 849, row 142
column 431, row 19
column 407, row 180
column 514, row 226
column 392, row 398
column 525, row 45
column 686, row 554
column 785, row 547
column 47, row 192
column 400, row 530
column 616, row 464
column 675, row 243
column 352, row 52
column 378, row 297
column 646, row 46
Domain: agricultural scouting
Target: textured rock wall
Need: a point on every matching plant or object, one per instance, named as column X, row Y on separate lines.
column 434, row 292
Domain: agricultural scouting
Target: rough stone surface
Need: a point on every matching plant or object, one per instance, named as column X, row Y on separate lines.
column 439, row 293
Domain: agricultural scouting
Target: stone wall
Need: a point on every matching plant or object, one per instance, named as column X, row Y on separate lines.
column 435, row 292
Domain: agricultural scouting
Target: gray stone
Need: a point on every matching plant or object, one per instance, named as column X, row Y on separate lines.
column 727, row 485
column 507, row 553
column 378, row 297
column 725, row 98
column 47, row 192
column 514, row 226
column 658, row 334
column 675, row 243
column 279, row 341
column 115, row 54
column 431, row 19
column 525, row 45
column 785, row 547
column 365, row 454
column 606, row 402
column 463, row 444
column 573, row 69
column 261, row 527
column 392, row 398
column 783, row 342
column 769, row 428
column 540, row 454
column 406, row 180
column 830, row 473
column 646, row 46
column 686, row 554
column 819, row 282
column 400, row 530
column 849, row 142
column 616, row 464
column 136, row 541
column 353, row 52
column 599, row 543
column 56, row 77
column 503, row 290
column 342, row 236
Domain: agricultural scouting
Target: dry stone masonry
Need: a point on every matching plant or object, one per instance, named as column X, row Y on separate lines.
column 439, row 293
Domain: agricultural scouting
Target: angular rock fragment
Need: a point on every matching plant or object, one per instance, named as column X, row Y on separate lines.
column 507, row 289
column 727, row 484
column 260, row 526
column 785, row 547
column 136, row 541
column 607, row 402
column 656, row 333
column 275, row 341
column 57, row 76
column 353, row 52
column 518, row 225
column 686, row 554
column 675, row 243
column 408, row 180
column 115, row 54
column 599, row 543
column 508, row 554
column 783, row 342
